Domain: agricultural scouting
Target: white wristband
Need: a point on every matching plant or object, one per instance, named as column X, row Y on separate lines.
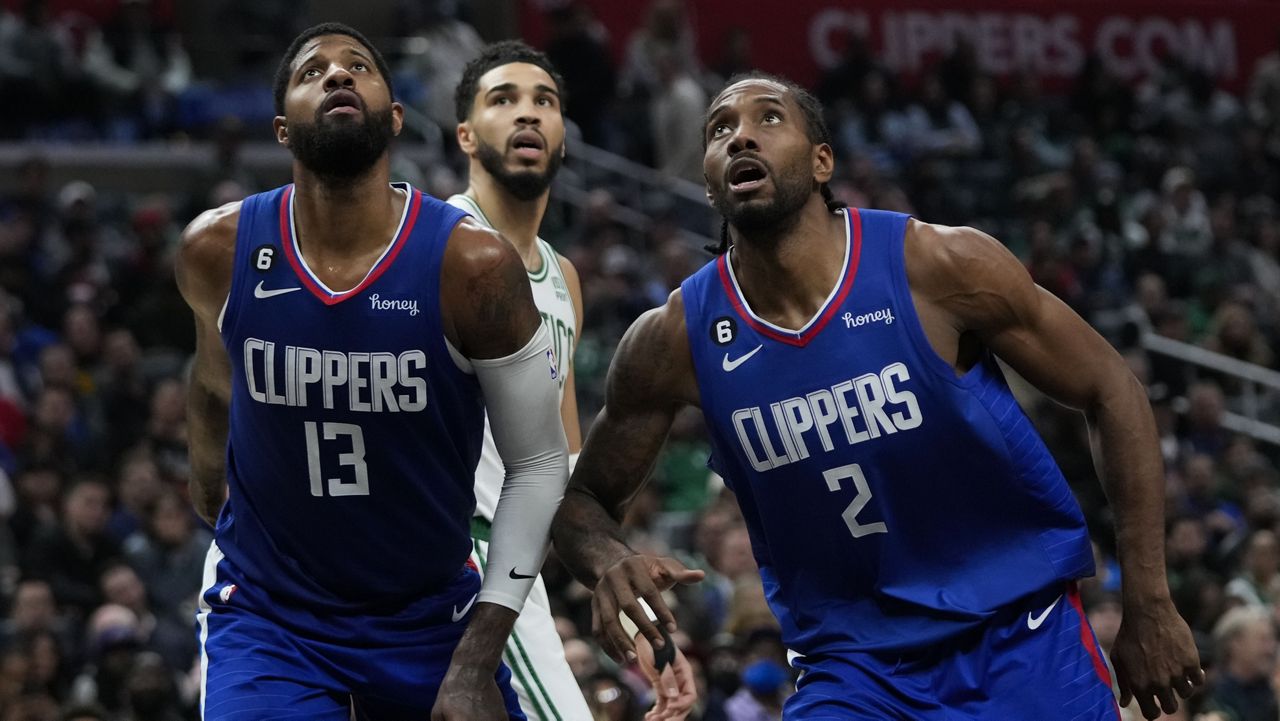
column 630, row 626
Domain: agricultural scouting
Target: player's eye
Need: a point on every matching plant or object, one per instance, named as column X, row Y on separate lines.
column 502, row 100
column 360, row 66
column 545, row 102
column 311, row 73
column 772, row 118
column 719, row 129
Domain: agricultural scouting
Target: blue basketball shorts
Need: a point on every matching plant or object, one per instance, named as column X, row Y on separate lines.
column 1037, row 662
column 261, row 659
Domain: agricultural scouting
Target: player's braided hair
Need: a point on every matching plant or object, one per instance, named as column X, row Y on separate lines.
column 815, row 127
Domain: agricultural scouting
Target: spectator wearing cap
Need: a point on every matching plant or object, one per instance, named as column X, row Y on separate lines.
column 113, row 638
column 761, row 695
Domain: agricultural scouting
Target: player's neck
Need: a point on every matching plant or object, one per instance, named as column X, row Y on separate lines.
column 517, row 220
column 351, row 216
column 786, row 277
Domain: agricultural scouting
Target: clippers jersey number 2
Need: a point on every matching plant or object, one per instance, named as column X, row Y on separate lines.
column 861, row 497
column 335, row 434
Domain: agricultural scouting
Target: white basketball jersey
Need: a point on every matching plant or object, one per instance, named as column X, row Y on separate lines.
column 551, row 295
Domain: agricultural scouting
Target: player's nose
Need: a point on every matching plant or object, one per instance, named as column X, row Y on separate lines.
column 337, row 77
column 742, row 139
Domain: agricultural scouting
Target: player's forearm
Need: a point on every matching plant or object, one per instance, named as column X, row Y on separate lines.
column 480, row 648
column 1127, row 454
column 207, row 431
column 587, row 538
column 521, row 396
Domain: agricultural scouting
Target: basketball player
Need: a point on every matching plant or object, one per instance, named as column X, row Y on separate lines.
column 351, row 334
column 511, row 126
column 916, row 541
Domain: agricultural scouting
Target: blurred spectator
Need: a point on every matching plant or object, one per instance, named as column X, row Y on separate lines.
column 440, row 47
column 140, row 67
column 578, row 47
column 151, row 692
column 1258, row 584
column 72, row 554
column 113, row 639
column 168, row 634
column 169, row 555
column 761, row 695
column 677, row 108
column 1245, row 641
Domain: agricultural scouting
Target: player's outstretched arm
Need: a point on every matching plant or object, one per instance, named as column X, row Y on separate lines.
column 490, row 317
column 203, row 271
column 650, row 378
column 968, row 279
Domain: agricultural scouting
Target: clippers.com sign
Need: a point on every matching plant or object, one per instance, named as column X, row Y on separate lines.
column 800, row 38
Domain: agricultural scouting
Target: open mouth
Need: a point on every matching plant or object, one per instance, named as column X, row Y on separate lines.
column 342, row 102
column 746, row 174
column 528, row 144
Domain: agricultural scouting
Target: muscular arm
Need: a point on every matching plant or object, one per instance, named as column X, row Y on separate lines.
column 203, row 272
column 569, row 404
column 985, row 291
column 966, row 279
column 650, row 379
column 489, row 315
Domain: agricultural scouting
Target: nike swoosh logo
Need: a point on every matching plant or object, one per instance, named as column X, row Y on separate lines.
column 260, row 292
column 457, row 615
column 517, row 576
column 1033, row 622
column 729, row 365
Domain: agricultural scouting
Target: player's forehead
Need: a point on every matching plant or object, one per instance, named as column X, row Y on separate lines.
column 751, row 90
column 329, row 47
column 522, row 76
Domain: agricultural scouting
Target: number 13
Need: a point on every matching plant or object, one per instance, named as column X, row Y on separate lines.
column 861, row 498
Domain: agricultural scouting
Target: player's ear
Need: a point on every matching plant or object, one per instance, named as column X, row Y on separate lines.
column 397, row 118
column 282, row 130
column 466, row 137
column 824, row 163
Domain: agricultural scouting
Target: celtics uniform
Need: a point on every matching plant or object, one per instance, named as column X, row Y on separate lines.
column 534, row 652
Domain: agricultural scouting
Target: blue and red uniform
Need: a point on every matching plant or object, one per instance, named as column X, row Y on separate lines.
column 910, row 526
column 339, row 569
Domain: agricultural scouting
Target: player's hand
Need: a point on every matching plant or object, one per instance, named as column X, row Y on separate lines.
column 1155, row 656
column 673, row 687
column 469, row 693
column 637, row 576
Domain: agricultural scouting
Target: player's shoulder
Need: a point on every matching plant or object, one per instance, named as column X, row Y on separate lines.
column 475, row 248
column 947, row 257
column 654, row 358
column 206, row 254
column 211, row 231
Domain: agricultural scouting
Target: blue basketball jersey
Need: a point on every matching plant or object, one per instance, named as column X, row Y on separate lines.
column 353, row 434
column 891, row 504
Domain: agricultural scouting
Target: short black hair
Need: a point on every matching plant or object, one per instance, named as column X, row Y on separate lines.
column 815, row 122
column 497, row 55
column 282, row 72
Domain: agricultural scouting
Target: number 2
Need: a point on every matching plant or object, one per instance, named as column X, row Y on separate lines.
column 355, row 459
column 861, row 498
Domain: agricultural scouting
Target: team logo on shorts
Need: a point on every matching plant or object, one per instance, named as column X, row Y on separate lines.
column 227, row 592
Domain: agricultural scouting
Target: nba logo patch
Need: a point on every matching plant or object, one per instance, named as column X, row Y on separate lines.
column 227, row 592
column 551, row 360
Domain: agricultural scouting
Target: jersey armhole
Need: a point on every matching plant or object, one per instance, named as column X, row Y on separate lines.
column 459, row 360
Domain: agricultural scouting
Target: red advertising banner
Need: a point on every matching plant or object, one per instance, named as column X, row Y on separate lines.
column 800, row 38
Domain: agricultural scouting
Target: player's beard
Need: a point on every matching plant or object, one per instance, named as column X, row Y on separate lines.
column 341, row 148
column 762, row 219
column 525, row 185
